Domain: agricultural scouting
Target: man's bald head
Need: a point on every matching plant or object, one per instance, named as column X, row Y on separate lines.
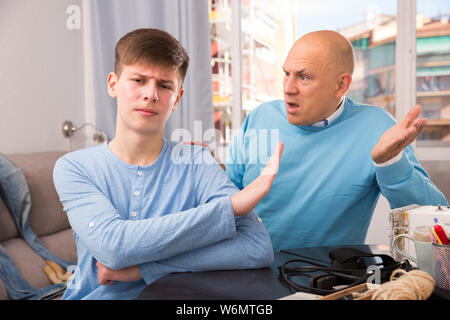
column 318, row 72
column 334, row 48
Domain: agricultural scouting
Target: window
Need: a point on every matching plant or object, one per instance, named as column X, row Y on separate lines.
column 433, row 70
column 221, row 41
column 267, row 32
column 373, row 38
column 268, row 28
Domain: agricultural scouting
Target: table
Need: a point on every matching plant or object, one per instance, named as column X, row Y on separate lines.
column 249, row 284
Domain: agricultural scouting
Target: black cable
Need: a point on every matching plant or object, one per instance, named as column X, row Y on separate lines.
column 286, row 274
column 305, row 257
column 348, row 271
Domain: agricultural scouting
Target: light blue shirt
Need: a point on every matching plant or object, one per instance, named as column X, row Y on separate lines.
column 174, row 215
column 327, row 186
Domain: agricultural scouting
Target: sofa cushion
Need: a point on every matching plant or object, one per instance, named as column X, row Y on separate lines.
column 62, row 245
column 31, row 265
column 3, row 293
column 8, row 228
column 47, row 215
column 48, row 220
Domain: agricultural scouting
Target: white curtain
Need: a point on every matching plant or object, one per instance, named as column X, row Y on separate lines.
column 187, row 21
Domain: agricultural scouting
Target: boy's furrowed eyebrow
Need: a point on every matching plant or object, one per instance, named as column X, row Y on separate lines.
column 166, row 81
column 134, row 74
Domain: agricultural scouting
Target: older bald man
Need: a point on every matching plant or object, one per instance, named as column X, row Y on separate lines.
column 338, row 154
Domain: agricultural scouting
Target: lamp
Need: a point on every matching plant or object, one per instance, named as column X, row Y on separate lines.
column 69, row 129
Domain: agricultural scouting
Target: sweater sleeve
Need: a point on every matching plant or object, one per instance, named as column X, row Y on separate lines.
column 235, row 161
column 250, row 248
column 119, row 243
column 405, row 182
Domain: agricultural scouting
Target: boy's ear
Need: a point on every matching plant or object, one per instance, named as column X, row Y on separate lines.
column 180, row 94
column 112, row 83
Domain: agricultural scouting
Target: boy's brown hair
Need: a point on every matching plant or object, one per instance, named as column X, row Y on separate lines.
column 151, row 46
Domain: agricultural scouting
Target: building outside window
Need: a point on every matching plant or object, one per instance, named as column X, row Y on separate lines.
column 433, row 70
column 374, row 44
column 267, row 32
column 269, row 28
column 220, row 18
column 374, row 80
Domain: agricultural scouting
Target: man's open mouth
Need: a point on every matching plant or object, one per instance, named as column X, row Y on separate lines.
column 292, row 105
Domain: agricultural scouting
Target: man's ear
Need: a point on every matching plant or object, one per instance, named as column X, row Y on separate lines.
column 112, row 84
column 180, row 94
column 343, row 84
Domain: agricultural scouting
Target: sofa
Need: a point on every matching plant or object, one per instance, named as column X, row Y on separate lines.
column 48, row 221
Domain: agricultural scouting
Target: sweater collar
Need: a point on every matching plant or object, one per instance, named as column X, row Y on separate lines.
column 336, row 117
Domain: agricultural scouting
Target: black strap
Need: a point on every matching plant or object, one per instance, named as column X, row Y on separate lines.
column 346, row 268
column 337, row 277
column 350, row 259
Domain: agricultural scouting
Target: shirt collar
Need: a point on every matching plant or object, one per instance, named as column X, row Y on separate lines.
column 333, row 117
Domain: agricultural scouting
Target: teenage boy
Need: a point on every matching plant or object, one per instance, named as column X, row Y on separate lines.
column 138, row 213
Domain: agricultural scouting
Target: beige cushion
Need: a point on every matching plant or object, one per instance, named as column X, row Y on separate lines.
column 31, row 265
column 3, row 293
column 47, row 215
column 48, row 221
column 8, row 228
column 62, row 245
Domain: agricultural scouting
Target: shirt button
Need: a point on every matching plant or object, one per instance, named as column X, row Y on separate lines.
column 134, row 214
column 259, row 219
column 136, row 193
column 91, row 224
column 139, row 173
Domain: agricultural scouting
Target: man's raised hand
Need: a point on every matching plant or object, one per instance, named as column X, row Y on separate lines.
column 399, row 136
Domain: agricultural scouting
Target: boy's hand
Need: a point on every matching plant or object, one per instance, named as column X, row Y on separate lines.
column 246, row 200
column 107, row 276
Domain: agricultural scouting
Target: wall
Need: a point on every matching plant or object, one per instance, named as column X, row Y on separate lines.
column 41, row 83
column 440, row 175
column 379, row 226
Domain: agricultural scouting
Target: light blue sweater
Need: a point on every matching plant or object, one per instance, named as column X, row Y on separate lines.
column 327, row 186
column 172, row 216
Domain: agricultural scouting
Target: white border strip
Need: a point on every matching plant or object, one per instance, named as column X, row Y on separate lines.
column 236, row 70
column 405, row 58
column 433, row 153
column 89, row 97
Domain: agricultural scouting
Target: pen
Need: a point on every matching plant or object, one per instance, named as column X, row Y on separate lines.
column 440, row 233
column 435, row 236
column 432, row 236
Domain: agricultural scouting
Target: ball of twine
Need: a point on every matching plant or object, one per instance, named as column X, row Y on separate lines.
column 413, row 285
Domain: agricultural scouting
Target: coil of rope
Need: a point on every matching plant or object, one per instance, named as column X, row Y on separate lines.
column 413, row 285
